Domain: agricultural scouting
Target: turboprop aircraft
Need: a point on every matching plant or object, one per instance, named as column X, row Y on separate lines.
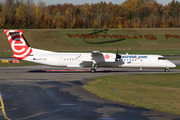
column 23, row 51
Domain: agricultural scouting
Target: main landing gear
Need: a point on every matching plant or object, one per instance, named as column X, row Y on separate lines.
column 93, row 70
column 166, row 70
column 94, row 66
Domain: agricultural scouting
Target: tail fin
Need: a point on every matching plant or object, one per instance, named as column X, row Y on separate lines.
column 19, row 45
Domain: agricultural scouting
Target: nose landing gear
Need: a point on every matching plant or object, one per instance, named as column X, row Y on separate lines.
column 166, row 70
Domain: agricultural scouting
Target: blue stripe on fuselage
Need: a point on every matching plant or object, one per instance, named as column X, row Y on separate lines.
column 135, row 56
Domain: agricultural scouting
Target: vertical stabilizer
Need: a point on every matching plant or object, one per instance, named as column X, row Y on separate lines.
column 19, row 45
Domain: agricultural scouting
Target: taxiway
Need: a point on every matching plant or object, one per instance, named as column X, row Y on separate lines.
column 28, row 93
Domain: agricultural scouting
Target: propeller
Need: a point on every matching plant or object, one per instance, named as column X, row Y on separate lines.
column 117, row 55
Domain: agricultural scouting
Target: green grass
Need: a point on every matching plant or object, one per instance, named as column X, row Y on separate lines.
column 158, row 91
column 57, row 40
column 6, row 54
column 21, row 63
column 177, row 67
column 173, row 58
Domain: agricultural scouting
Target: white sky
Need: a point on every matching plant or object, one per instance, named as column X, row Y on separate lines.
column 75, row 2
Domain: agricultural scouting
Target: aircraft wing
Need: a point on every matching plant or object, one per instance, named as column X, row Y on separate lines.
column 96, row 56
column 96, row 53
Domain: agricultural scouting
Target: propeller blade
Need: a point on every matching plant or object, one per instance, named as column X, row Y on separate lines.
column 117, row 55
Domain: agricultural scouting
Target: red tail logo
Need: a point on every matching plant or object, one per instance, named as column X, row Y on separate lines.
column 19, row 46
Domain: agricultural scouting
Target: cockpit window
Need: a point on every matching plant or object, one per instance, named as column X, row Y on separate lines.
column 161, row 58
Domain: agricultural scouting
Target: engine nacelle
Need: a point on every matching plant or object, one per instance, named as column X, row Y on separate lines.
column 109, row 57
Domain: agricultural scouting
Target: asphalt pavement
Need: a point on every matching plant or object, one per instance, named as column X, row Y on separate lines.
column 30, row 94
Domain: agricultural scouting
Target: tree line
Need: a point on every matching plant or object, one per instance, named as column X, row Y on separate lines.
column 26, row 14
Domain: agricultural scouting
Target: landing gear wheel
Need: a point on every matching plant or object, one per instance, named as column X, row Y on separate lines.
column 93, row 70
column 166, row 70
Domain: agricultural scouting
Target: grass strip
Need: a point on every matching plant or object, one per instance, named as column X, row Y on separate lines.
column 158, row 91
column 21, row 63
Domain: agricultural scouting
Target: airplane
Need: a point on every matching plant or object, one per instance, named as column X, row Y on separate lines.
column 22, row 50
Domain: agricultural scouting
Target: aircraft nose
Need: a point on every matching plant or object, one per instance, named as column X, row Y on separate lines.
column 171, row 65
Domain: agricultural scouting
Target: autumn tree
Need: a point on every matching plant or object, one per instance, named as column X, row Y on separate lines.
column 9, row 10
column 67, row 18
column 84, row 14
column 38, row 14
column 95, row 24
column 47, row 19
column 2, row 20
column 29, row 5
column 132, row 13
column 58, row 19
column 20, row 16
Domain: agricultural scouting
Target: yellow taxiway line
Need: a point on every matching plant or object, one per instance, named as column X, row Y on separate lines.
column 2, row 107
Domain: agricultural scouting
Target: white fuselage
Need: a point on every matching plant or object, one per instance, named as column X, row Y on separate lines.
column 87, row 59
